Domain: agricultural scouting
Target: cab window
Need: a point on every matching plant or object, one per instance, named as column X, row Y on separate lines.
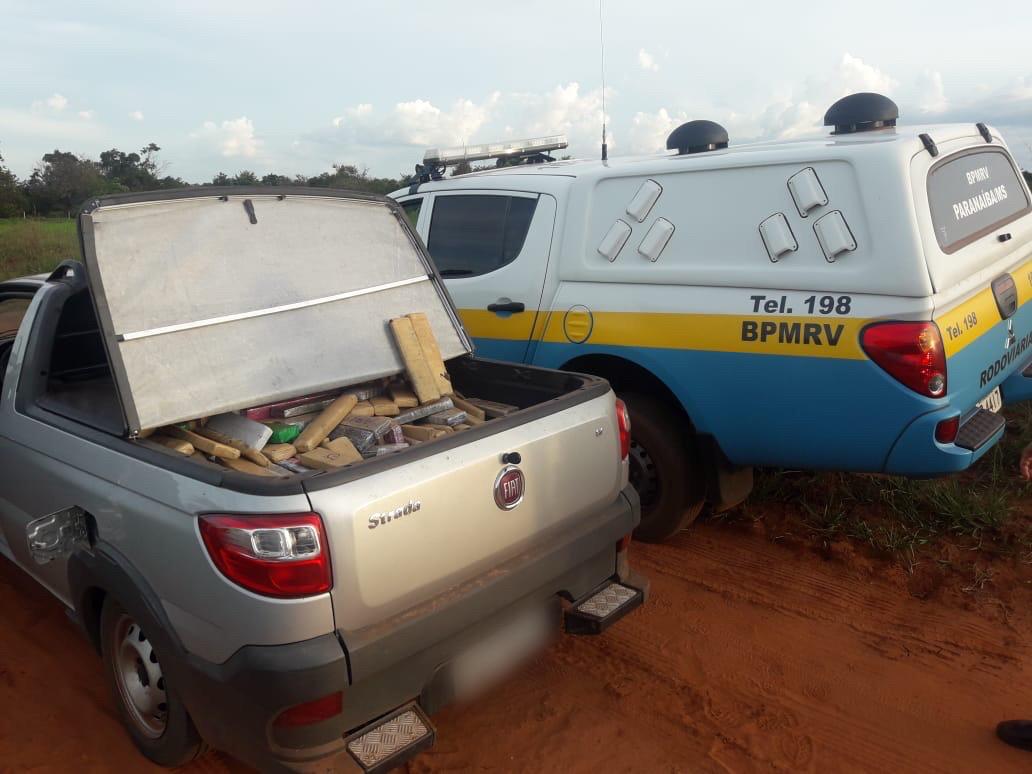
column 412, row 208
column 12, row 310
column 473, row 234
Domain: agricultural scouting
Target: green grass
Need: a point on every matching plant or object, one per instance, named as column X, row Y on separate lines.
column 983, row 510
column 35, row 245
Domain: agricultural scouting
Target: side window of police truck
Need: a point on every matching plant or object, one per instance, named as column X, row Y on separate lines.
column 474, row 234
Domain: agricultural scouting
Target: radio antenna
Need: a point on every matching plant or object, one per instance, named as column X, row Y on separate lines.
column 602, row 50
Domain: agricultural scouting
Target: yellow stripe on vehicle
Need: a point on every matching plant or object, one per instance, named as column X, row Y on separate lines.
column 966, row 322
column 830, row 336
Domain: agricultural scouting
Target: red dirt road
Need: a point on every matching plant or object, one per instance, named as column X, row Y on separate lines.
column 750, row 657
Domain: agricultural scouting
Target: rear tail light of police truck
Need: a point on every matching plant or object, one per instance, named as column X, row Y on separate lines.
column 623, row 423
column 278, row 555
column 910, row 352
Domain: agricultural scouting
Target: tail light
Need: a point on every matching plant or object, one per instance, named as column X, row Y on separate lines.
column 311, row 712
column 623, row 423
column 281, row 555
column 911, row 353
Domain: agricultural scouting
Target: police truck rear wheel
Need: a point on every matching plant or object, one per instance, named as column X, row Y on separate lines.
column 663, row 468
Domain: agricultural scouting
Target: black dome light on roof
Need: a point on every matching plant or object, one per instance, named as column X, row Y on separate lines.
column 697, row 137
column 863, row 112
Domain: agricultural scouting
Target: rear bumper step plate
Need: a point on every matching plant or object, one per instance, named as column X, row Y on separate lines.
column 602, row 608
column 388, row 742
column 979, row 429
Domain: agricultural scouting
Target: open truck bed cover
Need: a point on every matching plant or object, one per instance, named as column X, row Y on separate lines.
column 257, row 290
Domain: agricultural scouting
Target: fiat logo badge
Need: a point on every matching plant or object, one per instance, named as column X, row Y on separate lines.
column 509, row 487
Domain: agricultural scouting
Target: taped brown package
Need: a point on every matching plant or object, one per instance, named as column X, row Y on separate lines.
column 320, row 427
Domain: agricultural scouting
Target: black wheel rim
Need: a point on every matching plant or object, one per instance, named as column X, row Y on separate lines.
column 644, row 475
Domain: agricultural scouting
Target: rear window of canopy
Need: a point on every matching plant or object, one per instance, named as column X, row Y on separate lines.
column 973, row 194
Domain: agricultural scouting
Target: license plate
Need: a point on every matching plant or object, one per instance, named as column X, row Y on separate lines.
column 992, row 402
column 491, row 659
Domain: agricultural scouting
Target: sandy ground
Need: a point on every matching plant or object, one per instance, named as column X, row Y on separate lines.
column 751, row 656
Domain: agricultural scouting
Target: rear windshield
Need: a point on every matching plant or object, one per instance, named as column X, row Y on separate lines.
column 972, row 194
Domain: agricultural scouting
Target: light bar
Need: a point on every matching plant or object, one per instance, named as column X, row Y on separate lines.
column 495, row 150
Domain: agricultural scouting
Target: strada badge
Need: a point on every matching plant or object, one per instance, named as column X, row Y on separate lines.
column 386, row 517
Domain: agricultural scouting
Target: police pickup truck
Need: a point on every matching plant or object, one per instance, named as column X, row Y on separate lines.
column 311, row 619
column 853, row 301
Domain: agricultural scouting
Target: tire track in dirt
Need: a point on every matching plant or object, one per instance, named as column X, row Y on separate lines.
column 719, row 567
column 750, row 657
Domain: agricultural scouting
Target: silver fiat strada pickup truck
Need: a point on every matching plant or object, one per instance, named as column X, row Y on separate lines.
column 308, row 621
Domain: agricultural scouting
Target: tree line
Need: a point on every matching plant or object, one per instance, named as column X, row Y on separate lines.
column 62, row 181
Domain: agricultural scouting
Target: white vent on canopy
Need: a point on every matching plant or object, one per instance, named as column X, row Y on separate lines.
column 834, row 235
column 807, row 191
column 643, row 201
column 778, row 237
column 656, row 239
column 614, row 240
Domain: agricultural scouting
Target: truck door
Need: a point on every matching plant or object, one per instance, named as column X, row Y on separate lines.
column 34, row 495
column 492, row 248
column 12, row 309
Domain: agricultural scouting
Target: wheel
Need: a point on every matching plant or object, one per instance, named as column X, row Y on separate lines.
column 664, row 468
column 155, row 717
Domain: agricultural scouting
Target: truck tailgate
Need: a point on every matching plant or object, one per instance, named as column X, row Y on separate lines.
column 983, row 347
column 403, row 536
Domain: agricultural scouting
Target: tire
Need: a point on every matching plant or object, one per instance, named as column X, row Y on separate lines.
column 152, row 713
column 664, row 468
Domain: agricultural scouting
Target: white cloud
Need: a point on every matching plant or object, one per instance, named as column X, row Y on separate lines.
column 420, row 122
column 646, row 61
column 649, row 131
column 803, row 111
column 417, row 122
column 388, row 137
column 856, row 75
column 799, row 112
column 55, row 102
column 33, row 125
column 232, row 138
column 1010, row 105
column 86, row 115
column 136, row 115
column 566, row 110
column 357, row 113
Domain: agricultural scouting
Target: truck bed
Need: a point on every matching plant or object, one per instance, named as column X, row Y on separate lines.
column 536, row 392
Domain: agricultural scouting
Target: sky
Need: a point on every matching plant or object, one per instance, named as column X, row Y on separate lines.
column 226, row 85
